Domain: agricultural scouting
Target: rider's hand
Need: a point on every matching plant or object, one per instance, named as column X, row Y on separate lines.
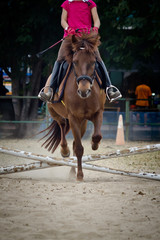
column 70, row 31
column 95, row 29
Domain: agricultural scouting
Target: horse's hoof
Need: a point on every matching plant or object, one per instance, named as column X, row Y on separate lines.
column 65, row 153
column 95, row 141
column 79, row 179
column 80, row 176
column 95, row 146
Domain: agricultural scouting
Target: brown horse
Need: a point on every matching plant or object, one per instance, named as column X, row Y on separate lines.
column 83, row 100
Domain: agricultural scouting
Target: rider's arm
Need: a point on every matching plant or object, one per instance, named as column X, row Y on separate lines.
column 64, row 23
column 96, row 20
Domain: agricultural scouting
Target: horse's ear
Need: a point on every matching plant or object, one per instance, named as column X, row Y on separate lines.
column 74, row 40
column 74, row 43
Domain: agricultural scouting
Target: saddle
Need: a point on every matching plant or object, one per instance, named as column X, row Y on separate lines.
column 64, row 72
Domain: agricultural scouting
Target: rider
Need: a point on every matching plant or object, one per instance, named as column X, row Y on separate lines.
column 78, row 14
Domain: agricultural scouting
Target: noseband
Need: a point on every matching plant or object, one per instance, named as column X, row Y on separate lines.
column 85, row 77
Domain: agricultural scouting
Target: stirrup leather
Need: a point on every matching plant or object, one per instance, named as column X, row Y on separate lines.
column 113, row 99
column 42, row 91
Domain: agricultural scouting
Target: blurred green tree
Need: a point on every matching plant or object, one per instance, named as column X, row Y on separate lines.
column 130, row 32
column 27, row 27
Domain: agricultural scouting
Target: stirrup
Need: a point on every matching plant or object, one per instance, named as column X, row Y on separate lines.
column 40, row 95
column 113, row 99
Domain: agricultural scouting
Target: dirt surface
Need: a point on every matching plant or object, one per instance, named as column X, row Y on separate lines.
column 47, row 204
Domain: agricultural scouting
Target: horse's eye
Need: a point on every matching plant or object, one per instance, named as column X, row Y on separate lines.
column 74, row 63
column 92, row 63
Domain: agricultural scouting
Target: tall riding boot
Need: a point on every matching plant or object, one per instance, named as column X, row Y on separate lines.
column 112, row 92
column 53, row 84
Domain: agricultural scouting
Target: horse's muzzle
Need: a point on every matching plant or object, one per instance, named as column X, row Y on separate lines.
column 84, row 83
column 84, row 94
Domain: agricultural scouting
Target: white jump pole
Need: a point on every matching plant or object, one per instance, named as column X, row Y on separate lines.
column 124, row 173
column 25, row 167
column 71, row 163
column 87, row 158
column 53, row 163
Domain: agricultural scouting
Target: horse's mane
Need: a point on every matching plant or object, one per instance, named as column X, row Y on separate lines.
column 73, row 43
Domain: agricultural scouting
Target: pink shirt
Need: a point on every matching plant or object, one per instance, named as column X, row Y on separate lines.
column 79, row 13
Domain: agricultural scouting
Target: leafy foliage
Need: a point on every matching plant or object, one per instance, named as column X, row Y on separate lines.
column 132, row 31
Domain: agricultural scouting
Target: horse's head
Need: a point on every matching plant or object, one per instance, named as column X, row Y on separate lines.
column 84, row 60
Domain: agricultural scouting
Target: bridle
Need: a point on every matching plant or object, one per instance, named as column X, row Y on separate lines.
column 84, row 77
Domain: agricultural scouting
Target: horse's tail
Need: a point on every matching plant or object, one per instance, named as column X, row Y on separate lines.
column 54, row 133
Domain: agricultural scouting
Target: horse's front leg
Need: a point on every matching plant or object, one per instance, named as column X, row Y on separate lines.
column 97, row 135
column 83, row 130
column 77, row 146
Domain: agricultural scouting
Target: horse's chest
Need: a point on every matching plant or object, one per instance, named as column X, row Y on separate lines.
column 84, row 109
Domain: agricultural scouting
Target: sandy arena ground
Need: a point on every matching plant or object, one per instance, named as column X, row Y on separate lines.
column 46, row 204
